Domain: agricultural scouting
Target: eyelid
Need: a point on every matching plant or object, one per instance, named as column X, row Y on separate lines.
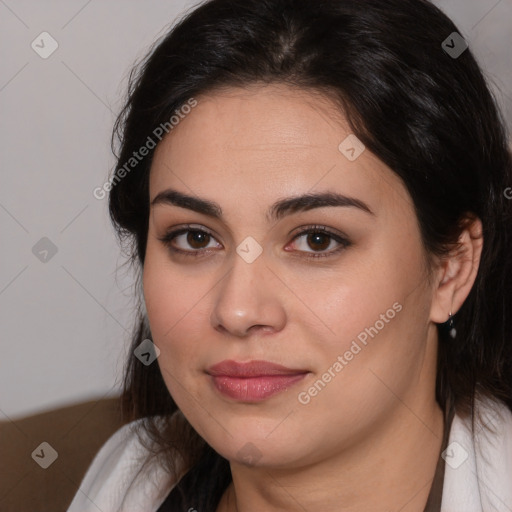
column 320, row 228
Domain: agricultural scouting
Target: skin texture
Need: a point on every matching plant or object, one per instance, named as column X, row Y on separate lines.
column 370, row 439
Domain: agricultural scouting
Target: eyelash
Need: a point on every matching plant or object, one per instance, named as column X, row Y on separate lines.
column 170, row 236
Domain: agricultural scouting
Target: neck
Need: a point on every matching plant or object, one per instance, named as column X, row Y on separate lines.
column 392, row 469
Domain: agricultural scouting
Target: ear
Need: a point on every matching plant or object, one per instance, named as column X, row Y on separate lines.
column 457, row 272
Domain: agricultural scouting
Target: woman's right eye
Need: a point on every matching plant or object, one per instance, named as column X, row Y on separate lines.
column 194, row 238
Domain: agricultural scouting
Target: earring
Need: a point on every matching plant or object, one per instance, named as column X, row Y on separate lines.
column 453, row 331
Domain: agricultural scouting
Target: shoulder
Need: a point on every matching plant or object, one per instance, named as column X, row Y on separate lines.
column 114, row 481
column 478, row 468
column 493, row 455
column 492, row 433
column 492, row 424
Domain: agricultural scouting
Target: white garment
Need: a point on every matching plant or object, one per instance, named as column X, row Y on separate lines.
column 478, row 475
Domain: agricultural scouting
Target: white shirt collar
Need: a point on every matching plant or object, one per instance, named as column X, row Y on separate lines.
column 478, row 473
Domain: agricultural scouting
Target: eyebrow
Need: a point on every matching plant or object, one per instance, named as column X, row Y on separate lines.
column 277, row 211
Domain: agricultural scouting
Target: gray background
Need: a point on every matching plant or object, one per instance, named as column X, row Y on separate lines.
column 65, row 323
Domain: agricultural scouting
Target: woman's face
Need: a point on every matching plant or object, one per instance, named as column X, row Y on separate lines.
column 346, row 307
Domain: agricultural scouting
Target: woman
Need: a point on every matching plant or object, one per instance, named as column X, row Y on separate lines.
column 315, row 196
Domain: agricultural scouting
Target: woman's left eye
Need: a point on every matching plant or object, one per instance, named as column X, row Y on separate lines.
column 319, row 238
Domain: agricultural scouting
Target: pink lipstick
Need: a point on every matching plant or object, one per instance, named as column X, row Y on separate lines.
column 253, row 381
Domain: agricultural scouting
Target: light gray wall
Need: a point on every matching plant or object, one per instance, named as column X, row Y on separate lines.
column 65, row 322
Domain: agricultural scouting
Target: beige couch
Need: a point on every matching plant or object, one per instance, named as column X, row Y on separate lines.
column 76, row 433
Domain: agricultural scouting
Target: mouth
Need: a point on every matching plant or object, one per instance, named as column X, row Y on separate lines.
column 253, row 381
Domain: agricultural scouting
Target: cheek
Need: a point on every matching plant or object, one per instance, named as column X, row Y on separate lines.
column 350, row 302
column 176, row 304
column 167, row 300
column 170, row 293
column 170, row 309
column 371, row 317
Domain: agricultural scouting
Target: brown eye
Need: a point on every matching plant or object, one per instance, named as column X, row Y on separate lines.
column 189, row 242
column 318, row 241
column 315, row 241
column 196, row 239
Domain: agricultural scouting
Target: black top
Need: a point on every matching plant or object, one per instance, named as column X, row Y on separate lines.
column 206, row 478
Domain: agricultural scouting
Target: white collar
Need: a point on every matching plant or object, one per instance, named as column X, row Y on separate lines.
column 478, row 475
column 478, row 472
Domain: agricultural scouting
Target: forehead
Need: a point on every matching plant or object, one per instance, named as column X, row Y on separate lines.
column 263, row 141
column 256, row 123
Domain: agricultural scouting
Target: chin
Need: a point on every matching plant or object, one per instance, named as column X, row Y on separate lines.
column 252, row 448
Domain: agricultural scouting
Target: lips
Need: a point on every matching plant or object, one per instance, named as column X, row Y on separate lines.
column 253, row 381
column 230, row 368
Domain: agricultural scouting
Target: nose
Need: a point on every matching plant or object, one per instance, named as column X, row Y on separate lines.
column 248, row 299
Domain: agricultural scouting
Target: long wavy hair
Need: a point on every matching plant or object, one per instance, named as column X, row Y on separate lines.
column 430, row 116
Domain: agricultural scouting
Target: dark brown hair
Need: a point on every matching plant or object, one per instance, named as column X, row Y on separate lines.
column 427, row 115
